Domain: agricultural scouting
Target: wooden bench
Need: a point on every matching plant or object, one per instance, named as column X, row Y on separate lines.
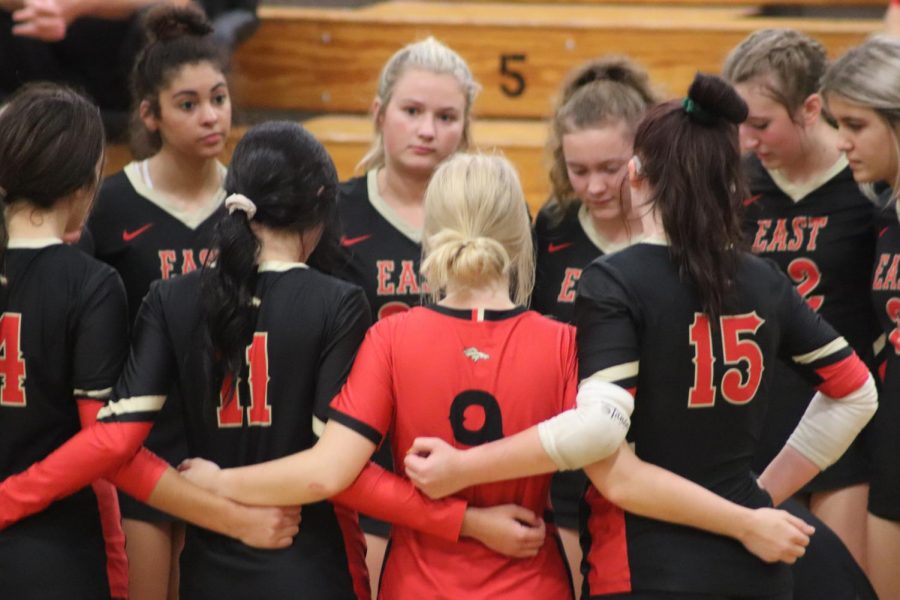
column 328, row 60
column 879, row 4
column 347, row 137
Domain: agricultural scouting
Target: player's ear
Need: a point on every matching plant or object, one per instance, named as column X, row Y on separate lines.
column 145, row 112
column 634, row 170
column 377, row 114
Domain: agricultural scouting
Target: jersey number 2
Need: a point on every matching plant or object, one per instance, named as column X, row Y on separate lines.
column 231, row 406
column 738, row 347
column 12, row 363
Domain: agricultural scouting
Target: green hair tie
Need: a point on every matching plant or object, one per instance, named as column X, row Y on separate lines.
column 699, row 113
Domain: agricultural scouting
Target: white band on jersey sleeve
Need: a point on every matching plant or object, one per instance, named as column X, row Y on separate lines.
column 127, row 406
column 592, row 431
column 831, row 424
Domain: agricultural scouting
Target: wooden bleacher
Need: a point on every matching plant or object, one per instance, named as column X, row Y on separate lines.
column 880, row 4
column 328, row 60
column 347, row 137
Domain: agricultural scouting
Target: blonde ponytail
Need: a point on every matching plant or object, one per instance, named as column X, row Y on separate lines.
column 477, row 230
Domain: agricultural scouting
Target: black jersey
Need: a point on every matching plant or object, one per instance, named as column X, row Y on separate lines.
column 146, row 237
column 63, row 335
column 564, row 248
column 823, row 238
column 701, row 393
column 381, row 253
column 307, row 332
column 884, row 493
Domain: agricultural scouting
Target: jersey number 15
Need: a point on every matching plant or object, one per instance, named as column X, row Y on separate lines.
column 738, row 346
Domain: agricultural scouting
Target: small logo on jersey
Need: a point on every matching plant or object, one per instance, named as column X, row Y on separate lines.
column 752, row 199
column 475, row 354
column 557, row 247
column 128, row 236
column 347, row 242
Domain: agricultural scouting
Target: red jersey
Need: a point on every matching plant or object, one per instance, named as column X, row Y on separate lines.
column 469, row 377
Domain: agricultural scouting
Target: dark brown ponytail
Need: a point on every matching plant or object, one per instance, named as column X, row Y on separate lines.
column 690, row 156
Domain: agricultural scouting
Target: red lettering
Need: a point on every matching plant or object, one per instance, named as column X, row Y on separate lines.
column 878, row 281
column 759, row 243
column 385, row 268
column 407, row 284
column 567, row 289
column 187, row 261
column 890, row 280
column 797, row 225
column 779, row 237
column 167, row 260
column 817, row 223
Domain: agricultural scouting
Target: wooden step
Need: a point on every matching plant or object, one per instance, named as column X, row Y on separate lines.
column 328, row 60
column 880, row 4
column 347, row 138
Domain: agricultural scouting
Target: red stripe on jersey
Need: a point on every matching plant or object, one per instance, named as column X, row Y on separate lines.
column 843, row 377
column 110, row 516
column 632, row 391
column 882, row 370
column 355, row 545
column 607, row 557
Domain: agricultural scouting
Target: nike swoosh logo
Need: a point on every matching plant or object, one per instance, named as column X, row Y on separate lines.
column 128, row 236
column 752, row 199
column 557, row 247
column 347, row 242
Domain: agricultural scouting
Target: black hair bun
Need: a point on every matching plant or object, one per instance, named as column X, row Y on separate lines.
column 169, row 22
column 715, row 96
column 616, row 69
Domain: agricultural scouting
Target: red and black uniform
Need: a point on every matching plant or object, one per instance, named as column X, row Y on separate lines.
column 884, row 438
column 64, row 337
column 485, row 375
column 146, row 237
column 381, row 254
column 823, row 238
column 701, row 390
column 565, row 244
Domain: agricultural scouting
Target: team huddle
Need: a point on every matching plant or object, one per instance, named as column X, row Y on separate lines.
column 678, row 381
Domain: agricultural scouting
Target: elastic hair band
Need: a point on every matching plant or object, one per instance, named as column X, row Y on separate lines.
column 696, row 111
column 240, row 202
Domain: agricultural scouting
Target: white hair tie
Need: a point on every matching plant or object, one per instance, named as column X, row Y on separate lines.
column 240, row 202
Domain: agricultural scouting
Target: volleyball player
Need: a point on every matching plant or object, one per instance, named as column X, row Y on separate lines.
column 153, row 221
column 805, row 212
column 600, row 104
column 422, row 114
column 861, row 92
column 470, row 369
column 64, row 334
column 687, row 324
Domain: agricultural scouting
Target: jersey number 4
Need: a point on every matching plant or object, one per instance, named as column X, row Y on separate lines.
column 12, row 363
column 230, row 412
column 738, row 347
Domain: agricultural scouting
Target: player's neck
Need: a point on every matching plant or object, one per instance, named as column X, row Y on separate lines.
column 821, row 154
column 491, row 297
column 188, row 179
column 283, row 245
column 404, row 193
column 28, row 221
